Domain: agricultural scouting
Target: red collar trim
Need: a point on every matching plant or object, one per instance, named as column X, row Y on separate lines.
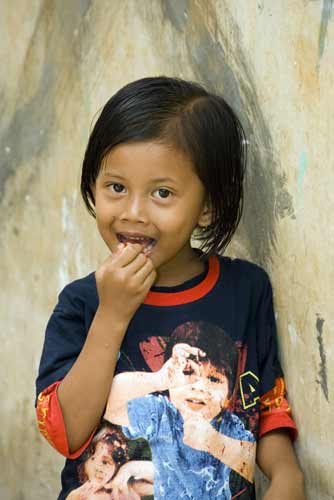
column 190, row 295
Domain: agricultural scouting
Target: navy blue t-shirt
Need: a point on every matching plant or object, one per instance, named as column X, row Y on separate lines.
column 211, row 345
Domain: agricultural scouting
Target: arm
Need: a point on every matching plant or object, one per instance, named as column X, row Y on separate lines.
column 127, row 386
column 277, row 460
column 136, row 476
column 237, row 454
column 84, row 492
column 83, row 392
column 131, row 385
column 122, row 282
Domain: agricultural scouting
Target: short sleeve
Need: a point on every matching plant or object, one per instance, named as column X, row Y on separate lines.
column 232, row 426
column 51, row 423
column 275, row 411
column 144, row 415
column 269, row 365
column 65, row 335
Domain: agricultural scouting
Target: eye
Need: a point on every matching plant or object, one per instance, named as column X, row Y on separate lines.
column 215, row 380
column 163, row 193
column 188, row 371
column 117, row 188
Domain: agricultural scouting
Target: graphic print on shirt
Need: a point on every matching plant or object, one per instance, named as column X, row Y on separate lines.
column 182, row 409
column 106, row 471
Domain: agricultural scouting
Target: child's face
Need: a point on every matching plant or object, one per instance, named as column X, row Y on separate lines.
column 100, row 467
column 150, row 190
column 205, row 394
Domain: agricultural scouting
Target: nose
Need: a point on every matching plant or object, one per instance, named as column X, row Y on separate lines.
column 198, row 385
column 134, row 210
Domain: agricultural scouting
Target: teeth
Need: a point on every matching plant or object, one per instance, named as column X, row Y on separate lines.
column 136, row 238
column 150, row 242
column 149, row 247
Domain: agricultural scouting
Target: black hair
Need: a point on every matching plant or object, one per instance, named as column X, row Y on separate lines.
column 198, row 123
column 113, row 437
column 219, row 348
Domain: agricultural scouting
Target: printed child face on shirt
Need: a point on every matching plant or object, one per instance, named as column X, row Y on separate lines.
column 100, row 467
column 196, row 385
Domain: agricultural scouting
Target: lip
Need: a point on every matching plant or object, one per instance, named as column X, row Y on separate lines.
column 134, row 235
column 195, row 401
column 100, row 476
column 147, row 249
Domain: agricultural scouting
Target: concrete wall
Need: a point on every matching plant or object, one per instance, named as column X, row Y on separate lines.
column 60, row 62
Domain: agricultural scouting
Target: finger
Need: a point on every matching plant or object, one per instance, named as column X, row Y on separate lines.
column 115, row 493
column 149, row 280
column 144, row 270
column 195, row 366
column 135, row 265
column 128, row 254
column 186, row 349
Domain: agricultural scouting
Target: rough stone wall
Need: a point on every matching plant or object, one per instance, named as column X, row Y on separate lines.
column 60, row 62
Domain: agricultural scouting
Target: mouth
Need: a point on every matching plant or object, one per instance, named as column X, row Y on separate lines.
column 147, row 242
column 195, row 404
column 100, row 476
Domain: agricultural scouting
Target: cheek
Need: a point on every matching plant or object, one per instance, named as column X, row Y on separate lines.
column 110, row 468
column 173, row 220
column 176, row 396
column 219, row 396
column 88, row 468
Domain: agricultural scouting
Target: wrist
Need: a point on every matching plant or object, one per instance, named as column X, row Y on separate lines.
column 157, row 381
column 106, row 332
column 114, row 319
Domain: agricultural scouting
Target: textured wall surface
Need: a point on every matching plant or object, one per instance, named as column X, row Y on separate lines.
column 60, row 62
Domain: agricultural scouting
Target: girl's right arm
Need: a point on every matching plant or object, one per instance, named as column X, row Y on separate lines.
column 131, row 385
column 123, row 282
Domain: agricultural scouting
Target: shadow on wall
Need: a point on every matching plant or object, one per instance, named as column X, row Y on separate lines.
column 207, row 52
column 26, row 135
column 206, row 49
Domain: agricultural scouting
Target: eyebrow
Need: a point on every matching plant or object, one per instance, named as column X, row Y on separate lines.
column 157, row 179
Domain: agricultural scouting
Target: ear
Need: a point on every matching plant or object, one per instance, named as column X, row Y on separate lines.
column 205, row 217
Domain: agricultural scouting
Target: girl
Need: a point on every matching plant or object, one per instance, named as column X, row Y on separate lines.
column 107, row 473
column 199, row 376
column 164, row 164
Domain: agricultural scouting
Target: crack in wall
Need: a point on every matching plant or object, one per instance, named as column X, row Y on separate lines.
column 322, row 381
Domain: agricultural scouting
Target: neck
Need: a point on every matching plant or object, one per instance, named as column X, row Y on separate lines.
column 186, row 269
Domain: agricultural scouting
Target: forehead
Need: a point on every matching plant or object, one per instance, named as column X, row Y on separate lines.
column 102, row 448
column 152, row 158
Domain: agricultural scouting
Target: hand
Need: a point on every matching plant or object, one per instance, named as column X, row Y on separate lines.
column 124, row 280
column 121, row 489
column 85, row 491
column 184, row 359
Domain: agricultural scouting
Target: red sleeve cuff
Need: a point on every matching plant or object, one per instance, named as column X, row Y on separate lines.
column 51, row 423
column 275, row 411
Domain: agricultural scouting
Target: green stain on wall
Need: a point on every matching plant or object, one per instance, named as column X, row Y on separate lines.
column 327, row 10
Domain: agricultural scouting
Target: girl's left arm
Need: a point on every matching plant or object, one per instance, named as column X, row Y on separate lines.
column 237, row 454
column 277, row 460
